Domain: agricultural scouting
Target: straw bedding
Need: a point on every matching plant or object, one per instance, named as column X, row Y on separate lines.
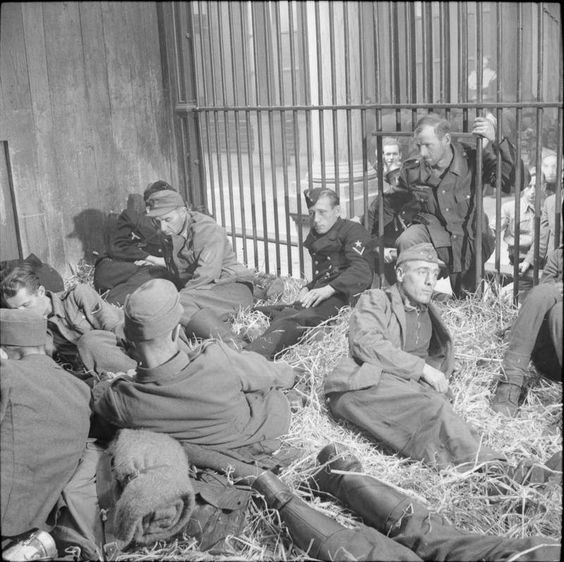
column 535, row 434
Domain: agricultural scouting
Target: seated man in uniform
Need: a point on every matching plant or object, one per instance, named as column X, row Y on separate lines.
column 44, row 424
column 395, row 385
column 135, row 250
column 230, row 404
column 342, row 270
column 80, row 322
column 536, row 334
column 212, row 283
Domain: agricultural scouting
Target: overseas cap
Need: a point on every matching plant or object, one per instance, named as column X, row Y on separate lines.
column 152, row 310
column 22, row 328
column 312, row 195
column 162, row 202
column 424, row 252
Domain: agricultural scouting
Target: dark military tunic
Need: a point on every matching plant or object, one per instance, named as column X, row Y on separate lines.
column 447, row 204
column 341, row 258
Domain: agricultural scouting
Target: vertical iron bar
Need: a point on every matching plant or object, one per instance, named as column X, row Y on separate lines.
column 334, row 112
column 396, row 56
column 499, row 44
column 558, row 192
column 321, row 101
column 206, row 134
column 260, row 143
column 242, row 198
column 244, row 31
column 295, row 116
column 380, row 196
column 348, row 111
column 463, row 59
column 428, row 37
column 479, row 146
column 361, row 42
column 215, row 120
column 270, row 98
column 413, row 58
column 226, row 127
column 540, row 97
column 307, row 89
column 518, row 170
column 276, row 8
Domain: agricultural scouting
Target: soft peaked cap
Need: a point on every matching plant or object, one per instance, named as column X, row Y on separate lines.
column 22, row 328
column 420, row 252
column 162, row 202
column 152, row 310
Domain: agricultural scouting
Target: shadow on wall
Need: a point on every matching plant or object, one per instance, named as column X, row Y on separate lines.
column 90, row 228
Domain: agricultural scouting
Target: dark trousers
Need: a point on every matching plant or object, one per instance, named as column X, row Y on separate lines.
column 536, row 334
column 289, row 324
column 412, row 419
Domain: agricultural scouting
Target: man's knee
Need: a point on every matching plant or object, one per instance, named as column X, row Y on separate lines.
column 415, row 234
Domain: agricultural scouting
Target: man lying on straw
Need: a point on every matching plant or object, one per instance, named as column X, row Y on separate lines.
column 226, row 407
column 395, row 385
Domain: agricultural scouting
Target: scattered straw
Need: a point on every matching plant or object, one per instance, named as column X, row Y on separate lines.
column 463, row 499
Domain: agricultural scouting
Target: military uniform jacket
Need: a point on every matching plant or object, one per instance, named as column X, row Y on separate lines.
column 214, row 396
column 376, row 341
column 448, row 204
column 341, row 258
column 80, row 310
column 45, row 419
column 136, row 237
column 204, row 256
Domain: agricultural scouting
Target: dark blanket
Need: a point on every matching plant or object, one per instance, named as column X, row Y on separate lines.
column 156, row 497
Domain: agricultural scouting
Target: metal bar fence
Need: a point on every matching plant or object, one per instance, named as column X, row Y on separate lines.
column 308, row 91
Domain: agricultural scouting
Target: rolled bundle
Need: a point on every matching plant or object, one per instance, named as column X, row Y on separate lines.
column 157, row 497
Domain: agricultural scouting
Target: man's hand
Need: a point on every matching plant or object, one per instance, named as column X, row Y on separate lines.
column 356, row 219
column 524, row 267
column 316, row 296
column 152, row 260
column 390, row 254
column 435, row 378
column 484, row 127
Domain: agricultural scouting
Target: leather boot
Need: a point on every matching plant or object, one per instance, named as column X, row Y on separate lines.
column 322, row 537
column 506, row 399
column 205, row 324
column 380, row 505
column 409, row 522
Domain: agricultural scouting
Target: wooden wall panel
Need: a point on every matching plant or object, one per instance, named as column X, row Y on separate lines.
column 86, row 115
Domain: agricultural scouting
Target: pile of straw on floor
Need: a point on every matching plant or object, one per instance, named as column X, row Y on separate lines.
column 462, row 498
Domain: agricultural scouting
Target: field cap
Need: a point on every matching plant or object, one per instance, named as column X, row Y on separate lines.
column 22, row 328
column 159, row 185
column 420, row 252
column 152, row 310
column 162, row 202
column 312, row 195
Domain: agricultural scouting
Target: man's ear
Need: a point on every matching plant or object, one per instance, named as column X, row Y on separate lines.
column 41, row 291
column 448, row 138
column 399, row 274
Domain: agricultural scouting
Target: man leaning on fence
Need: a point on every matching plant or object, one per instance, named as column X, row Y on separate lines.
column 440, row 185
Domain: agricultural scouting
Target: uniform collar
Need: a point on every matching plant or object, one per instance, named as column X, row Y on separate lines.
column 168, row 370
column 408, row 305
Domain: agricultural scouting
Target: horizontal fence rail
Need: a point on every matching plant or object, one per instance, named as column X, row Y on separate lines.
column 277, row 97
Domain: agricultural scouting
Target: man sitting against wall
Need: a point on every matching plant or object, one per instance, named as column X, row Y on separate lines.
column 198, row 254
column 135, row 250
column 343, row 268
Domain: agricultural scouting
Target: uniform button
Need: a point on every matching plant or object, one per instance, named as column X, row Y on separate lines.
column 447, row 209
column 454, row 235
column 329, row 258
column 316, row 271
column 443, row 191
